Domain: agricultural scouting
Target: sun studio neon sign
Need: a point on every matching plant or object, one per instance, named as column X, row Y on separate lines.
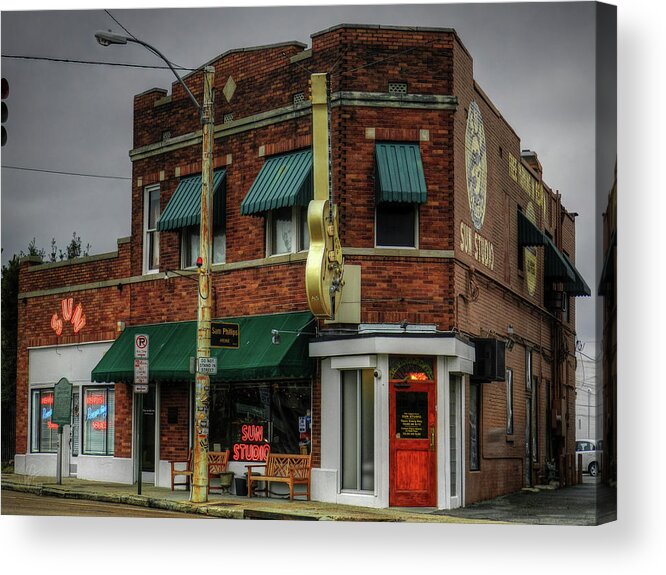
column 71, row 314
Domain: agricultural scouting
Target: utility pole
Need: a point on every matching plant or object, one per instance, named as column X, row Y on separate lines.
column 199, row 491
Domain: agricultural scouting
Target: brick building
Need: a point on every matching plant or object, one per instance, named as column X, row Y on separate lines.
column 448, row 375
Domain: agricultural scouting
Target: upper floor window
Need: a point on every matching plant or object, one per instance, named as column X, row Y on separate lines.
column 191, row 244
column 183, row 213
column 151, row 237
column 281, row 193
column 287, row 230
column 400, row 187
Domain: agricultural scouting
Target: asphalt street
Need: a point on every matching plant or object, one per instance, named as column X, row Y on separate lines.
column 17, row 503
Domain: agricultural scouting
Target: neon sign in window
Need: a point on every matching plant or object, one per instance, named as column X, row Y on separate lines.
column 43, row 432
column 98, row 426
column 252, row 446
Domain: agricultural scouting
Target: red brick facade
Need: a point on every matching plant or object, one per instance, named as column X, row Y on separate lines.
column 438, row 283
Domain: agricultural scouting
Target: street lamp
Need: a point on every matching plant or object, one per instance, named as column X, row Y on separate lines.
column 199, row 491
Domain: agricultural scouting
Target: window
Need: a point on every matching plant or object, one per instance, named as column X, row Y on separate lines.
column 151, row 240
column 396, row 225
column 521, row 252
column 475, row 426
column 191, row 244
column 287, row 230
column 44, row 433
column 358, row 430
column 509, row 401
column 535, row 419
column 528, row 368
column 252, row 419
column 98, row 420
column 399, row 187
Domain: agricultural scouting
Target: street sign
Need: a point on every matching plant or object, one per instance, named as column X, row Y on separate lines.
column 207, row 365
column 140, row 371
column 224, row 335
column 62, row 403
column 141, row 346
column 141, row 388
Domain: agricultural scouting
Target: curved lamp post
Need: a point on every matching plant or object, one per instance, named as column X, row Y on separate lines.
column 199, row 491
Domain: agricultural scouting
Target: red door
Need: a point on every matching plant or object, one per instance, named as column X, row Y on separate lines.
column 412, row 442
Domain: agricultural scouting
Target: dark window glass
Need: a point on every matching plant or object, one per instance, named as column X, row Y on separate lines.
column 411, row 414
column 260, row 414
column 358, row 430
column 396, row 225
column 475, row 425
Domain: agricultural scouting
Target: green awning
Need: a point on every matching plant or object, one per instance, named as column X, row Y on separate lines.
column 184, row 207
column 400, row 173
column 556, row 265
column 577, row 287
column 528, row 233
column 283, row 181
column 172, row 344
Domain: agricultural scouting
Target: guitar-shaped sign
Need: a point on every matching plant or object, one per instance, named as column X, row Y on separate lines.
column 324, row 266
column 324, row 269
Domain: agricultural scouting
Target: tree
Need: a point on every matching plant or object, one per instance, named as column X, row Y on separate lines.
column 9, row 318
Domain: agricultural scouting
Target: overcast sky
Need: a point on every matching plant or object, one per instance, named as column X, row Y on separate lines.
column 536, row 61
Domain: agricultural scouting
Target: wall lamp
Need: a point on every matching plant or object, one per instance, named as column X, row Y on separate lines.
column 275, row 334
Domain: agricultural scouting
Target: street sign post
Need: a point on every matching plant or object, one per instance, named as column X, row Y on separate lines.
column 62, row 413
column 207, row 365
column 140, row 388
column 141, row 346
column 141, row 371
column 224, row 335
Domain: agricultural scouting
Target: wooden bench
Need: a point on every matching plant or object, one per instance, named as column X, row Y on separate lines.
column 217, row 464
column 282, row 468
column 182, row 471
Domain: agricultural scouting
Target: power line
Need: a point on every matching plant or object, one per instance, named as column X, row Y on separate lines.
column 62, row 173
column 91, row 62
column 133, row 36
column 119, row 24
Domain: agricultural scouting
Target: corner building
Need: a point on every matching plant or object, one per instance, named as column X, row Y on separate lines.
column 448, row 374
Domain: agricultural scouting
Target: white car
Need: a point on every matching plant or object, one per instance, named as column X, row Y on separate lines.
column 591, row 452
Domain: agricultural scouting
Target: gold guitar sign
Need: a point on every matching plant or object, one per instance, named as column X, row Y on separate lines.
column 324, row 267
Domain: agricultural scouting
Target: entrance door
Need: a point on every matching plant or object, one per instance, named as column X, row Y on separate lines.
column 412, row 444
column 74, row 437
column 148, row 436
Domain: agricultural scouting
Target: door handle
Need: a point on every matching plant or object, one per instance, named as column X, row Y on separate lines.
column 432, row 438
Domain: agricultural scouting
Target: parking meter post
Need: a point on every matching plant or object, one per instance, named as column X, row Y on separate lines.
column 139, row 424
column 59, row 458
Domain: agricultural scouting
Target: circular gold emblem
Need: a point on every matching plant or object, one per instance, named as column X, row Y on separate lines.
column 530, row 257
column 475, row 165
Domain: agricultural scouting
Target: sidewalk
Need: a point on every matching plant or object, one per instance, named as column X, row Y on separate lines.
column 222, row 506
column 587, row 504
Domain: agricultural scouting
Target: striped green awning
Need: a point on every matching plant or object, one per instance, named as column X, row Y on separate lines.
column 184, row 207
column 556, row 265
column 400, row 173
column 172, row 344
column 528, row 233
column 577, row 287
column 283, row 181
